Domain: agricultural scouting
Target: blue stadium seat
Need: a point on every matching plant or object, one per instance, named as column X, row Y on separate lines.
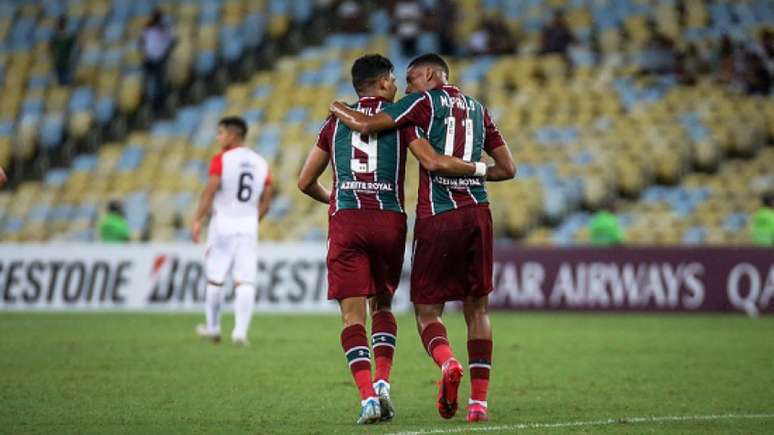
column 56, row 177
column 52, row 130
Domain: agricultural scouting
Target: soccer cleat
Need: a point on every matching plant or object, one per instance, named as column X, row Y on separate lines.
column 477, row 412
column 382, row 389
column 204, row 332
column 240, row 341
column 371, row 412
column 448, row 386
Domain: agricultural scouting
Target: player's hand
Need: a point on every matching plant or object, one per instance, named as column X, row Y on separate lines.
column 335, row 107
column 196, row 229
column 3, row 178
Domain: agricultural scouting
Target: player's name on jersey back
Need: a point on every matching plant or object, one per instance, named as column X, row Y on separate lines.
column 367, row 186
column 457, row 101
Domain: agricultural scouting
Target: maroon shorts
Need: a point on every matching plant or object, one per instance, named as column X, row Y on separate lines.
column 452, row 256
column 365, row 253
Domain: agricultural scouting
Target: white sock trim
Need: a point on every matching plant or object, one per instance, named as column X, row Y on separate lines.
column 363, row 402
column 477, row 402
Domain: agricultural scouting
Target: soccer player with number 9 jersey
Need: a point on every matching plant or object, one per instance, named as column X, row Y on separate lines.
column 452, row 257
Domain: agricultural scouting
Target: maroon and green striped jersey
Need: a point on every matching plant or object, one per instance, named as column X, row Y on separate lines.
column 368, row 171
column 455, row 125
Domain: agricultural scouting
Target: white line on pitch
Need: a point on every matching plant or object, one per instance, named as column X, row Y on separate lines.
column 609, row 421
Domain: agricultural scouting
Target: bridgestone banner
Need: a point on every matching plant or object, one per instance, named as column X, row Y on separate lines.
column 292, row 278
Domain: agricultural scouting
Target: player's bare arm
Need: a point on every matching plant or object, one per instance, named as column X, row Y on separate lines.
column 504, row 168
column 205, row 205
column 361, row 122
column 442, row 164
column 3, row 178
column 309, row 178
column 265, row 202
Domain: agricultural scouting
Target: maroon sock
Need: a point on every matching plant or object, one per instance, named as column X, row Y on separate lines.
column 384, row 333
column 480, row 363
column 436, row 343
column 355, row 344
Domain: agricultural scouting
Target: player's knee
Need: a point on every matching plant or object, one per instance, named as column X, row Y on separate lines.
column 476, row 308
column 352, row 319
column 380, row 303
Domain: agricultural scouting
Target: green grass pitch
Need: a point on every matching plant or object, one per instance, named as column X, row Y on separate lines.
column 148, row 373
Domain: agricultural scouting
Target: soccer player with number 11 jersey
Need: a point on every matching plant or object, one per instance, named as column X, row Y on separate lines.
column 452, row 252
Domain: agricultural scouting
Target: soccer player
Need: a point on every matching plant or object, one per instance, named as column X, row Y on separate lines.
column 452, row 257
column 367, row 226
column 239, row 193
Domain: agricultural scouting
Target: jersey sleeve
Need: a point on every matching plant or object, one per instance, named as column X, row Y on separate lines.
column 216, row 165
column 325, row 136
column 413, row 109
column 411, row 133
column 492, row 137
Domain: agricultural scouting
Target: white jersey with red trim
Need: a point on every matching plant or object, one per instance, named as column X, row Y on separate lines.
column 244, row 175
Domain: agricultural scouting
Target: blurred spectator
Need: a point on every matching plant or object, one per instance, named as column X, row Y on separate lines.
column 762, row 227
column 766, row 49
column 62, row 46
column 501, row 39
column 605, row 230
column 493, row 36
column 479, row 40
column 556, row 37
column 726, row 63
column 351, row 17
column 659, row 52
column 407, row 15
column 690, row 65
column 446, row 25
column 113, row 227
column 757, row 80
column 157, row 41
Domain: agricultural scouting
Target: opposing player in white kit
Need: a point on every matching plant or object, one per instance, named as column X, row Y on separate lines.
column 239, row 193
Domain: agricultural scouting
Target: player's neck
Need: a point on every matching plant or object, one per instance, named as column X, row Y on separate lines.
column 233, row 145
column 376, row 94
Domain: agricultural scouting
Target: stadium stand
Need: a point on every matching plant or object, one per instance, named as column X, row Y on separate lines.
column 681, row 161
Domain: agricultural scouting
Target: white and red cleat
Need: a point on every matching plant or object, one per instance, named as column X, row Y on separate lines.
column 448, row 386
column 477, row 411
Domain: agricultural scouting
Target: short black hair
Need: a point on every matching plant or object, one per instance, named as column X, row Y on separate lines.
column 236, row 123
column 115, row 206
column 430, row 59
column 368, row 69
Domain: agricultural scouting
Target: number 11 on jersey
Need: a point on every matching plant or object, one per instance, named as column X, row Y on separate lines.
column 467, row 124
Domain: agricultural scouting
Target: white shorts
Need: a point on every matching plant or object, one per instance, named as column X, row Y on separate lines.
column 239, row 253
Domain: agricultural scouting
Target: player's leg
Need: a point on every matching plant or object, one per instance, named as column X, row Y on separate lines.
column 436, row 343
column 476, row 309
column 386, row 264
column 245, row 269
column 384, row 333
column 479, row 354
column 213, row 301
column 435, row 279
column 350, row 283
column 354, row 342
column 217, row 261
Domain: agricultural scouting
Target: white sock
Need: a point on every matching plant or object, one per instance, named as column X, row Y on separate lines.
column 213, row 302
column 243, row 310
